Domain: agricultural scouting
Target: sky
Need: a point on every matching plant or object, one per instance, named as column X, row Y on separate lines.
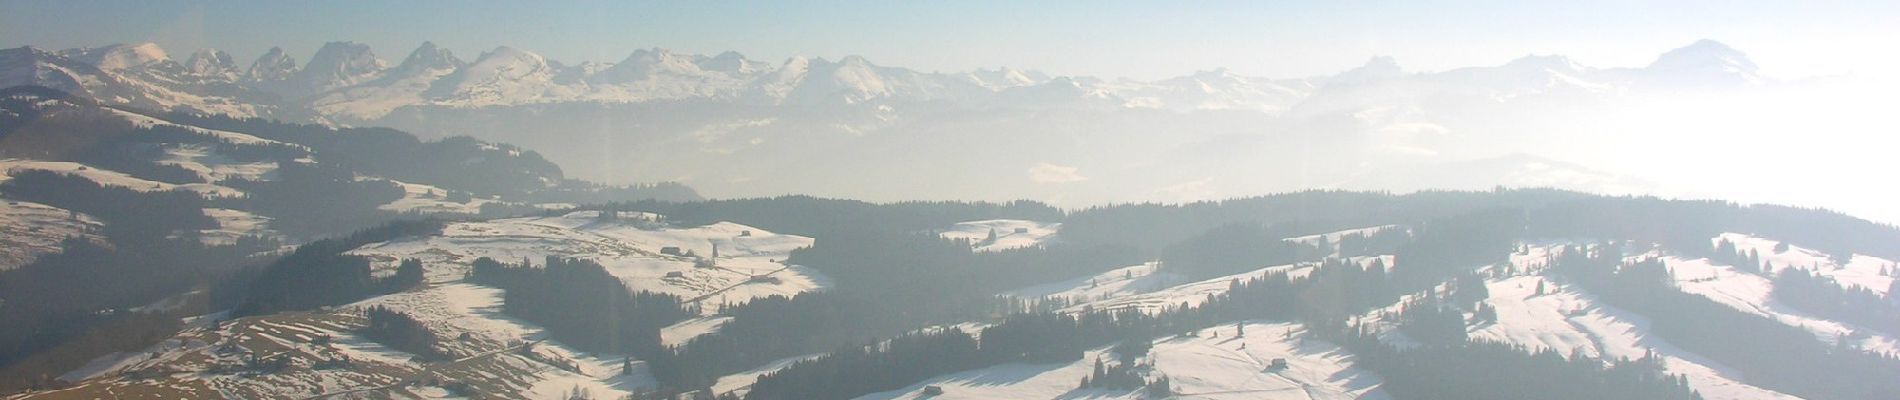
column 1144, row 40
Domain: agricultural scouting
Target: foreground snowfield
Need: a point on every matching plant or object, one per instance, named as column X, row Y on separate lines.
column 1217, row 363
column 493, row 353
column 499, row 354
column 1567, row 320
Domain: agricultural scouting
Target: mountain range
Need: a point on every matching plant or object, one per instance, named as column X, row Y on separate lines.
column 347, row 81
column 733, row 126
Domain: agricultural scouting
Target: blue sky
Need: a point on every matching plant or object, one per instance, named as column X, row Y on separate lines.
column 1103, row 38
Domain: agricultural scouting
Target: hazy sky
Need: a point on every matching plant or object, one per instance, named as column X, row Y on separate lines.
column 1103, row 38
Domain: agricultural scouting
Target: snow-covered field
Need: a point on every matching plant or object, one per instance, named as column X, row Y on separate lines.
column 1153, row 300
column 1333, row 237
column 749, row 262
column 493, row 352
column 234, row 224
column 9, row 167
column 1752, row 293
column 428, row 199
column 1010, row 233
column 1567, row 320
column 214, row 167
column 1217, row 363
column 1861, row 270
column 29, row 230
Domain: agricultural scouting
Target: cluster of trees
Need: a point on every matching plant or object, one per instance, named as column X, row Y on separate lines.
column 887, row 284
column 1748, row 260
column 1028, row 338
column 316, row 200
column 1123, row 376
column 147, row 249
column 129, row 210
column 1432, row 322
column 458, row 162
column 1231, row 249
column 1773, row 355
column 771, row 328
column 1825, row 298
column 858, row 370
column 583, row 305
column 320, row 274
column 400, row 331
column 1485, row 370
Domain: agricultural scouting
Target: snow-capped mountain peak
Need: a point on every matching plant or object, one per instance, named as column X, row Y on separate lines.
column 730, row 62
column 211, row 63
column 120, row 57
column 646, row 64
column 429, row 57
column 1375, row 69
column 338, row 64
column 1705, row 62
column 275, row 65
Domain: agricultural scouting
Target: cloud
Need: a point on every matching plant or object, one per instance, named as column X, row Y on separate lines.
column 1051, row 173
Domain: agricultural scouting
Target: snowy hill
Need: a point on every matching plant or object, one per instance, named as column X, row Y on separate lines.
column 1216, row 363
column 493, row 352
column 1009, row 234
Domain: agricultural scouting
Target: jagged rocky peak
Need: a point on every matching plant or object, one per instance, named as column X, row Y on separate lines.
column 648, row 63
column 274, row 65
column 339, row 64
column 430, row 57
column 210, row 62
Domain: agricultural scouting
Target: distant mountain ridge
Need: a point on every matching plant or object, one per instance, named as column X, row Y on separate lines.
column 333, row 83
column 735, row 126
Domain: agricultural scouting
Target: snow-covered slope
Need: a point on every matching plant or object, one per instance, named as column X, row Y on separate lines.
column 1134, row 296
column 1752, row 293
column 1217, row 363
column 1567, row 319
column 29, row 230
column 629, row 246
column 1861, row 271
column 1010, row 233
column 492, row 353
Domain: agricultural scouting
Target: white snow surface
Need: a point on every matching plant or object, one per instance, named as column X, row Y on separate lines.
column 628, row 247
column 1333, row 237
column 1752, row 293
column 429, row 199
column 1033, row 233
column 9, row 167
column 29, row 230
column 684, row 331
column 1206, row 366
column 214, row 167
column 1567, row 320
column 1133, row 295
column 234, row 224
column 1861, row 271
